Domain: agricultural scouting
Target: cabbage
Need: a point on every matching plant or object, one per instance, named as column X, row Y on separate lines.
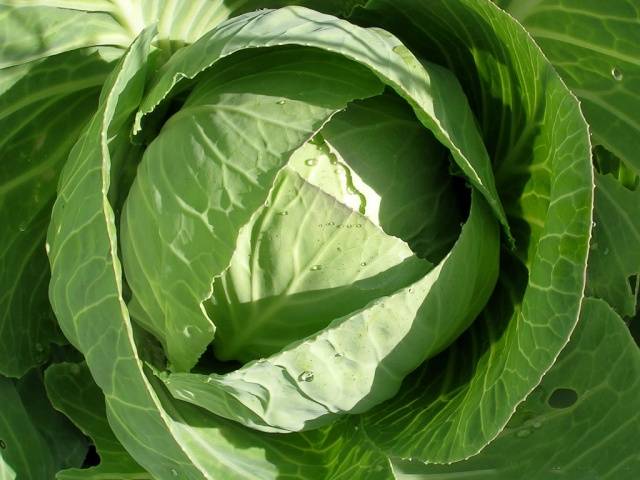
column 319, row 239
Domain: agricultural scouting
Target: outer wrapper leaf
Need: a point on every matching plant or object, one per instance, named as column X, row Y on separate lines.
column 539, row 145
column 590, row 433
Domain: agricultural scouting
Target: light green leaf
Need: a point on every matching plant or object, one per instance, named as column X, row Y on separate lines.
column 595, row 46
column 304, row 260
column 199, row 204
column 432, row 92
column 82, row 228
column 34, row 30
column 614, row 260
column 582, row 421
column 73, row 392
column 539, row 145
column 35, row 440
column 381, row 140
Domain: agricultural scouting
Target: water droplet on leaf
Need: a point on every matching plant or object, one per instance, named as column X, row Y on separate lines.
column 3, row 445
column 310, row 162
column 281, row 102
column 283, row 213
column 174, row 472
column 363, row 264
column 305, row 376
column 315, row 268
column 617, row 74
column 22, row 227
column 187, row 393
column 537, row 424
column 523, row 433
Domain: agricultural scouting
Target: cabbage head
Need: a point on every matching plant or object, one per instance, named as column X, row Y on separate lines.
column 319, row 239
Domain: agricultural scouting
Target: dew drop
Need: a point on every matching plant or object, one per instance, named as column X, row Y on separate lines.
column 593, row 224
column 283, row 213
column 305, row 376
column 22, row 227
column 281, row 102
column 358, row 225
column 537, row 424
column 363, row 264
column 617, row 74
column 209, row 380
column 333, row 160
column 337, row 355
column 3, row 445
column 523, row 433
column 310, row 162
column 187, row 394
column 315, row 268
column 174, row 472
